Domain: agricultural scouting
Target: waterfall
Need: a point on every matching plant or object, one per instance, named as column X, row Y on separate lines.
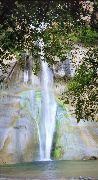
column 26, row 77
column 47, row 124
column 28, row 68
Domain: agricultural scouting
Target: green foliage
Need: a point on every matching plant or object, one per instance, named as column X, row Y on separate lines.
column 17, row 34
column 83, row 88
column 65, row 27
column 62, row 19
column 82, row 78
column 88, row 36
column 85, row 35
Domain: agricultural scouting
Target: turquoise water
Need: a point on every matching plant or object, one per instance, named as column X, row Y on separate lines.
column 48, row 170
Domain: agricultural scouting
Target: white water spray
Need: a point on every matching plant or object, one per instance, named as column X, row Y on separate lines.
column 26, row 77
column 47, row 124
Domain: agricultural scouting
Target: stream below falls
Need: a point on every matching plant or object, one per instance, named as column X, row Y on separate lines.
column 51, row 170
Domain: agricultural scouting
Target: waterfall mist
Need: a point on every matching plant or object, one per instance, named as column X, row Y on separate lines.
column 48, row 109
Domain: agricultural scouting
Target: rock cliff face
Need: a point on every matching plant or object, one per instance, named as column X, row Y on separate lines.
column 74, row 141
column 19, row 139
column 19, row 119
column 19, row 134
column 18, row 130
column 66, row 69
column 63, row 69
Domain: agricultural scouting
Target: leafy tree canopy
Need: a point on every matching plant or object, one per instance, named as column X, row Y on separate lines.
column 18, row 19
column 68, row 22
column 83, row 87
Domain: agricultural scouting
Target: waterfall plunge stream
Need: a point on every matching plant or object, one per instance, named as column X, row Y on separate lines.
column 47, row 126
column 48, row 107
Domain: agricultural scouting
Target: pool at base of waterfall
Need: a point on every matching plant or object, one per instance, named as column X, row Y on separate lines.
column 51, row 170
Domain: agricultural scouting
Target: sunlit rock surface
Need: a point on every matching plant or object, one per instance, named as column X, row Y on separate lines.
column 19, row 139
column 66, row 69
column 20, row 113
column 18, row 128
column 77, row 141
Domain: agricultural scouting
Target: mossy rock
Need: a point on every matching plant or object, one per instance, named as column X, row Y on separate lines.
column 58, row 152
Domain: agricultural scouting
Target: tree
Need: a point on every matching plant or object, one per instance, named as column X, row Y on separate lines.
column 18, row 18
column 84, row 87
column 68, row 22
